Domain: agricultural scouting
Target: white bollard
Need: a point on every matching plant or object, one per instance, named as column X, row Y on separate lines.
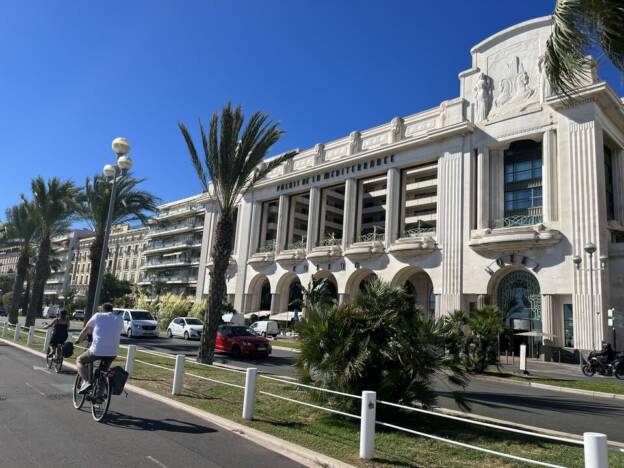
column 596, row 450
column 130, row 359
column 46, row 342
column 367, row 425
column 17, row 332
column 249, row 401
column 178, row 375
column 5, row 328
column 31, row 332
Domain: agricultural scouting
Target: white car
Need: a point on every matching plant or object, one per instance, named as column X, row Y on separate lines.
column 138, row 323
column 50, row 311
column 185, row 327
column 265, row 328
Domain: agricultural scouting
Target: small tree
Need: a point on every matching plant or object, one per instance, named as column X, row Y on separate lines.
column 485, row 327
column 113, row 288
column 454, row 331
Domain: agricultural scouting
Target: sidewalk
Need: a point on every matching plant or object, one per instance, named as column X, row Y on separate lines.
column 548, row 370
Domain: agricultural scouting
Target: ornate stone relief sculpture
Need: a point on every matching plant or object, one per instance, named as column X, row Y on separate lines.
column 483, row 97
column 397, row 128
column 515, row 91
column 354, row 142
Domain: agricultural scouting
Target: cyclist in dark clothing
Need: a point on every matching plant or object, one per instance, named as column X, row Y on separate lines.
column 607, row 355
column 59, row 334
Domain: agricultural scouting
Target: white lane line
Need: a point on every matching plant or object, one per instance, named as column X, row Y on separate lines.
column 36, row 390
column 153, row 460
column 42, row 369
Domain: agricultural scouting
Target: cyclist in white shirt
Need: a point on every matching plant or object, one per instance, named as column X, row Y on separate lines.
column 105, row 327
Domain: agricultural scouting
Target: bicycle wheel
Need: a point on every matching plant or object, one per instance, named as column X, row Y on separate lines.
column 58, row 362
column 77, row 398
column 100, row 397
column 50, row 357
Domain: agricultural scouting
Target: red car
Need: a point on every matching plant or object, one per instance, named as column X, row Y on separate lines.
column 241, row 341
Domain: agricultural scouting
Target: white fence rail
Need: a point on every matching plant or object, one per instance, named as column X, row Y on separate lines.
column 595, row 444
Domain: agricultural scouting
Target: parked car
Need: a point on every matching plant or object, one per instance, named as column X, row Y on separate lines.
column 265, row 328
column 185, row 327
column 50, row 311
column 78, row 314
column 138, row 323
column 241, row 341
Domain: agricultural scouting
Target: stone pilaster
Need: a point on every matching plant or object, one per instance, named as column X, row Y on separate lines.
column 549, row 177
column 282, row 223
column 350, row 207
column 313, row 218
column 275, row 300
column 618, row 184
column 393, row 188
column 551, row 321
column 497, row 186
column 450, row 217
column 587, row 214
column 204, row 255
column 483, row 188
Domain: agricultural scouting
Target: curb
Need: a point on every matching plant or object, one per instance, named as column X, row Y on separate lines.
column 283, row 348
column 554, row 388
column 290, row 450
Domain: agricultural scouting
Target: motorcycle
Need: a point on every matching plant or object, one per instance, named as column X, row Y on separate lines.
column 594, row 364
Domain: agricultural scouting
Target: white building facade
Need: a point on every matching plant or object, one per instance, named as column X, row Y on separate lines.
column 484, row 199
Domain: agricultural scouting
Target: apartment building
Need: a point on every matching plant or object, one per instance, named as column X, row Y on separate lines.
column 8, row 260
column 174, row 246
column 62, row 258
column 124, row 256
column 488, row 198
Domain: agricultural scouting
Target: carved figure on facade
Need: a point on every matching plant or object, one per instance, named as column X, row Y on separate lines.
column 483, row 97
column 354, row 142
column 397, row 128
column 442, row 115
column 319, row 153
column 515, row 91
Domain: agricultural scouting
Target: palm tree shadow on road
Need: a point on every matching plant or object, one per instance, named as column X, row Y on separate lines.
column 147, row 424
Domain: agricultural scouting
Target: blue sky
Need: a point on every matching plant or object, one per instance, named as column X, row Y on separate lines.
column 75, row 74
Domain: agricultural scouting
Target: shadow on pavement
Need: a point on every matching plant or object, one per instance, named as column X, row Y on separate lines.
column 145, row 424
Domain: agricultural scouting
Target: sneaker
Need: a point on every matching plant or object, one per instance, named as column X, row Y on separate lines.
column 84, row 388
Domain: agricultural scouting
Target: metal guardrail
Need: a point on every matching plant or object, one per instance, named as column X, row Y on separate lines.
column 521, row 220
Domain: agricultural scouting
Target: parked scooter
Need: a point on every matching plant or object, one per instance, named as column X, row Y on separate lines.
column 595, row 364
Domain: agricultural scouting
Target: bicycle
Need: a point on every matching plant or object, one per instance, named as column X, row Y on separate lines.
column 100, row 392
column 54, row 357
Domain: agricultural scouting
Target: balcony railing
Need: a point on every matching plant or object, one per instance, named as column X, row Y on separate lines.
column 165, row 245
column 175, row 227
column 176, row 211
column 418, row 232
column 300, row 244
column 518, row 220
column 377, row 234
column 330, row 242
column 268, row 246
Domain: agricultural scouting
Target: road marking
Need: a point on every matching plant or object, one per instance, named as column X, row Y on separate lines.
column 42, row 369
column 153, row 460
column 39, row 392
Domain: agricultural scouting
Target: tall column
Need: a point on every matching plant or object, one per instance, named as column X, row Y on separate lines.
column 549, row 176
column 393, row 187
column 350, row 205
column 450, row 203
column 275, row 304
column 282, row 223
column 618, row 184
column 483, row 188
column 313, row 218
column 587, row 213
column 551, row 322
column 497, row 187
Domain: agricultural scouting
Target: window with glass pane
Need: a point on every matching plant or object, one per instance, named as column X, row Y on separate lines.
column 268, row 226
column 297, row 228
column 331, row 215
column 608, row 163
column 371, row 212
column 523, row 183
column 568, row 326
column 419, row 201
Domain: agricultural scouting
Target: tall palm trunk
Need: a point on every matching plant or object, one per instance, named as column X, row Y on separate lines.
column 221, row 251
column 95, row 253
column 20, row 275
column 26, row 295
column 42, row 273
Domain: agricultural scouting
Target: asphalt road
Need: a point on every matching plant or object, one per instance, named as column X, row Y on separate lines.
column 41, row 428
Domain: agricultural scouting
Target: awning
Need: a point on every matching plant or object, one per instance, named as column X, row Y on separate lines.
column 536, row 333
column 260, row 313
column 285, row 316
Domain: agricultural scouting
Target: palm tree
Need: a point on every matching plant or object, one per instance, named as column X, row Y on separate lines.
column 21, row 229
column 54, row 205
column 578, row 27
column 131, row 204
column 231, row 166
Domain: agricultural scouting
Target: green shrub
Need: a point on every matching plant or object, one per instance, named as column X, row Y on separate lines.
column 7, row 301
column 171, row 306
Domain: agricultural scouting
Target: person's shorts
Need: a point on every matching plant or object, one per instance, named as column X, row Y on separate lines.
column 88, row 358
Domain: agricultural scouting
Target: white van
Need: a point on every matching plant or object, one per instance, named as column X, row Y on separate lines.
column 265, row 328
column 138, row 323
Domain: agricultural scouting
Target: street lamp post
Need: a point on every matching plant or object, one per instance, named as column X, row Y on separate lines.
column 112, row 173
column 590, row 249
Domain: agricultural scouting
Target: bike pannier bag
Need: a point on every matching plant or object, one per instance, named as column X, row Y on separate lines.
column 118, row 380
column 68, row 349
